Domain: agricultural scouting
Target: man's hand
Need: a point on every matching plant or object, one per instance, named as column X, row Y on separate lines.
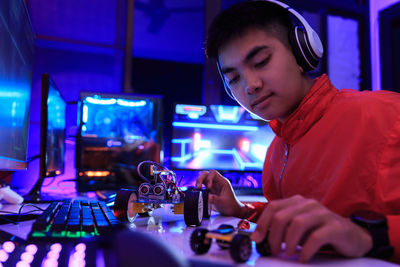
column 298, row 221
column 221, row 194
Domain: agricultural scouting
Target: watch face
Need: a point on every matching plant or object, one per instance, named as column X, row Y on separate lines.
column 370, row 217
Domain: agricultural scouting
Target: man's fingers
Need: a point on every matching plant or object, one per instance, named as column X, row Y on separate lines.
column 200, row 180
column 212, row 199
column 315, row 241
column 263, row 225
column 300, row 227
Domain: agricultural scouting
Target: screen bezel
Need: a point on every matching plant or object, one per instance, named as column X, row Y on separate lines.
column 47, row 82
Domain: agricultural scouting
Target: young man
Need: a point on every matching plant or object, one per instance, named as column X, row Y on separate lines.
column 336, row 152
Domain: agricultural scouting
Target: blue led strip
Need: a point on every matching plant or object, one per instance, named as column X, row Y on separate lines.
column 17, row 160
column 215, row 126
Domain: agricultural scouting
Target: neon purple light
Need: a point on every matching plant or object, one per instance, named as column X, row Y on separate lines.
column 31, row 248
column 50, row 263
column 3, row 255
column 22, row 264
column 56, row 247
column 81, row 247
column 79, row 255
column 52, row 254
column 9, row 246
column 27, row 257
column 78, row 263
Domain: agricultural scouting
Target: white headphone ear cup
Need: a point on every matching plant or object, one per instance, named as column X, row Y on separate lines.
column 315, row 44
column 296, row 49
column 302, row 49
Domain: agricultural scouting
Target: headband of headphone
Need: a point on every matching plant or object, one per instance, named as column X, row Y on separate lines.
column 306, row 44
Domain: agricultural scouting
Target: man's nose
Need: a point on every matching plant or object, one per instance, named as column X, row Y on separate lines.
column 252, row 83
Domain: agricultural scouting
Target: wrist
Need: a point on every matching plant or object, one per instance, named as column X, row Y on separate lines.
column 375, row 224
column 247, row 211
column 242, row 211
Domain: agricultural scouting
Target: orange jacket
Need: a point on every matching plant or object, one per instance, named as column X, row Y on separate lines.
column 342, row 148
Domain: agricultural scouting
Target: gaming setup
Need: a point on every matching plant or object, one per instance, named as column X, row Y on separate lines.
column 116, row 133
column 120, row 147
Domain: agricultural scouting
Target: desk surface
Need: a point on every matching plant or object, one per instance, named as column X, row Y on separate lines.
column 171, row 229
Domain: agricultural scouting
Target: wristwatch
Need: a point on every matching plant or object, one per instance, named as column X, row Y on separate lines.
column 376, row 224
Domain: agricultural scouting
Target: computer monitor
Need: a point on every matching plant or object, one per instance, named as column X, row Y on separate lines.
column 224, row 138
column 116, row 132
column 52, row 134
column 16, row 60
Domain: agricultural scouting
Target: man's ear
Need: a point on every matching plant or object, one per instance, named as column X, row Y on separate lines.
column 301, row 69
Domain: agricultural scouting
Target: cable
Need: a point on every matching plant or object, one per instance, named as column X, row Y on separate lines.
column 33, row 158
column 4, row 217
column 24, row 205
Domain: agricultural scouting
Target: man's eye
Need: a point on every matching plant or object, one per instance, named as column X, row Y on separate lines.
column 233, row 80
column 262, row 62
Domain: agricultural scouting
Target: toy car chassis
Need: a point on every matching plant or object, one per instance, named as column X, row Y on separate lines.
column 159, row 190
column 237, row 240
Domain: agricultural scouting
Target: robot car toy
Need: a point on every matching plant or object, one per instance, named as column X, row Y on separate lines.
column 161, row 189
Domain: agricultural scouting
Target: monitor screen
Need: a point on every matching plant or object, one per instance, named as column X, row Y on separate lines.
column 116, row 133
column 52, row 136
column 16, row 59
column 225, row 138
column 53, row 114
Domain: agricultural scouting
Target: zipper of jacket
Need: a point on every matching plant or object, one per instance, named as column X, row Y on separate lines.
column 283, row 168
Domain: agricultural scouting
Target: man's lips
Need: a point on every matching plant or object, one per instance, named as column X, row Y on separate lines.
column 260, row 100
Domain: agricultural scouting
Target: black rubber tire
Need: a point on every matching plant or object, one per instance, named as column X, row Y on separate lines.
column 198, row 241
column 221, row 243
column 240, row 248
column 263, row 248
column 123, row 205
column 207, row 207
column 193, row 208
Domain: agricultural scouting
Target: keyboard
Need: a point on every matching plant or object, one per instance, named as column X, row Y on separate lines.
column 125, row 248
column 73, row 219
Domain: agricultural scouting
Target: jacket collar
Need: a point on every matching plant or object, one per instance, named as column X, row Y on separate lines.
column 310, row 110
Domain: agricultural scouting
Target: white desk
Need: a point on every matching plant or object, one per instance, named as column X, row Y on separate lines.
column 171, row 229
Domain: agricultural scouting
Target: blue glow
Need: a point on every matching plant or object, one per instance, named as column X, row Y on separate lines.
column 16, row 160
column 101, row 101
column 131, row 103
column 228, row 114
column 259, row 151
column 231, row 114
column 14, row 104
column 56, row 110
column 193, row 116
column 215, row 126
column 238, row 159
column 84, row 113
column 183, row 156
column 5, row 94
column 181, row 141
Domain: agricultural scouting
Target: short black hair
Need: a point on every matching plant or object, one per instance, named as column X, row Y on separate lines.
column 239, row 18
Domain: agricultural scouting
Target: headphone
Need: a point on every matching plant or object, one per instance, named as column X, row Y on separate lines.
column 306, row 44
